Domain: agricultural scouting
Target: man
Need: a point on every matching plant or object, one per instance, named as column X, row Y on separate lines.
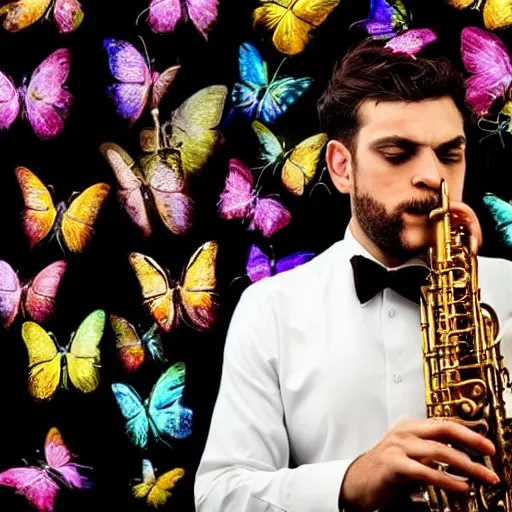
column 335, row 380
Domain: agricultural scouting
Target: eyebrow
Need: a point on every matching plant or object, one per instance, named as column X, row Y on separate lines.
column 410, row 144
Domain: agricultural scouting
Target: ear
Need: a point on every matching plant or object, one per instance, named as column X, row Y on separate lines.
column 339, row 163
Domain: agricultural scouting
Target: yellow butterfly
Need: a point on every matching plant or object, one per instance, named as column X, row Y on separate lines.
column 156, row 490
column 292, row 21
column 50, row 364
column 497, row 14
column 193, row 298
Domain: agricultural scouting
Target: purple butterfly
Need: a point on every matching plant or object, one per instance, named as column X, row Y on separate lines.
column 44, row 100
column 136, row 82
column 239, row 200
column 259, row 265
column 411, row 41
column 164, row 15
column 487, row 59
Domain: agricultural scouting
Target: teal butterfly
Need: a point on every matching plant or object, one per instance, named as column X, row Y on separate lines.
column 502, row 214
column 161, row 414
column 258, row 98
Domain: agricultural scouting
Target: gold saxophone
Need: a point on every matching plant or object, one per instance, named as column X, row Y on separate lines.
column 464, row 372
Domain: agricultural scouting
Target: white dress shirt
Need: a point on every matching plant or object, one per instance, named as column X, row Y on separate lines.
column 309, row 371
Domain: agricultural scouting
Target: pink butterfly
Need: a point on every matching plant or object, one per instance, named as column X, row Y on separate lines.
column 36, row 297
column 40, row 485
column 411, row 41
column 44, row 100
column 239, row 200
column 164, row 15
column 487, row 59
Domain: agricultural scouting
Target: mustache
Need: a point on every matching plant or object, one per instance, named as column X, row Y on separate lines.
column 420, row 206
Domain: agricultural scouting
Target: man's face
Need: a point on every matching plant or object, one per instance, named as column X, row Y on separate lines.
column 402, row 152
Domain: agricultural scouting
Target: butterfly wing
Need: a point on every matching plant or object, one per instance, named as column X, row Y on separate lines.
column 41, row 293
column 47, row 102
column 258, row 264
column 33, row 483
column 83, row 358
column 497, row 14
column 167, row 185
column 10, row 294
column 39, row 213
column 68, row 15
column 156, row 293
column 237, row 199
column 148, row 480
column 203, row 14
column 197, row 293
column 23, row 13
column 411, row 41
column 130, row 192
column 386, row 19
column 299, row 168
column 501, row 211
column 9, row 101
column 164, row 15
column 78, row 220
column 44, row 361
column 279, row 96
column 271, row 149
column 168, row 418
column 159, row 493
column 133, row 411
column 270, row 216
column 161, row 82
column 129, row 345
column 293, row 260
column 486, row 57
column 195, row 127
column 128, row 66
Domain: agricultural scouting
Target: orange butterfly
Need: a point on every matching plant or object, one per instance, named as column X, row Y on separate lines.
column 193, row 298
column 72, row 225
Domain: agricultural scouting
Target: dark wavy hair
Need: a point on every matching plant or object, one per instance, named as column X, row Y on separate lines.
column 369, row 71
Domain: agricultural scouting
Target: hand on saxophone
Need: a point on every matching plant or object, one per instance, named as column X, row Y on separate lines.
column 410, row 453
column 464, row 214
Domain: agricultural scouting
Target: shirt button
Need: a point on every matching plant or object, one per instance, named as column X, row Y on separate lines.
column 397, row 377
column 391, row 313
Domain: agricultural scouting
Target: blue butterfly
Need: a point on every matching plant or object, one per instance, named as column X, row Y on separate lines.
column 161, row 413
column 502, row 214
column 258, row 98
column 386, row 19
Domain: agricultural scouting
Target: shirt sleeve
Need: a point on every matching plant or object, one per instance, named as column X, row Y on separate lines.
column 244, row 466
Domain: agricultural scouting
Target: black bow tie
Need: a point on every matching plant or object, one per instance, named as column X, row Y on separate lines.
column 370, row 278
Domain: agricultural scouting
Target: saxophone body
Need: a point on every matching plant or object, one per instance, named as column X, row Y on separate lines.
column 465, row 377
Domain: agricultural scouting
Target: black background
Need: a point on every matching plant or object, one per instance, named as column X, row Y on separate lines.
column 101, row 277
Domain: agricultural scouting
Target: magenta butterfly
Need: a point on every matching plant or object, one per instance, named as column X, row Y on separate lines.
column 164, row 15
column 137, row 84
column 44, row 100
column 36, row 298
column 239, row 200
column 411, row 41
column 40, row 484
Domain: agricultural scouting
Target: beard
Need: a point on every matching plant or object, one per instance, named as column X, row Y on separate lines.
column 386, row 230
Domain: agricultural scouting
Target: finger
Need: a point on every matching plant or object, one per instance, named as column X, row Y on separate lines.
column 442, row 429
column 433, row 453
column 464, row 214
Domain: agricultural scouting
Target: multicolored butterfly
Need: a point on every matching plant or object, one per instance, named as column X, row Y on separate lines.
column 386, row 19
column 258, row 98
column 300, row 163
column 156, row 182
column 67, row 14
column 137, row 84
column 72, row 225
column 164, row 15
column 192, row 299
column 51, row 364
column 44, row 100
column 292, row 21
column 35, row 298
column 239, row 200
column 487, row 59
column 259, row 265
column 162, row 415
column 501, row 212
column 40, row 484
column 132, row 348
column 411, row 41
column 156, row 491
column 497, row 14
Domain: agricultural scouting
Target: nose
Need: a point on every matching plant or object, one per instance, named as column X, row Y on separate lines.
column 427, row 171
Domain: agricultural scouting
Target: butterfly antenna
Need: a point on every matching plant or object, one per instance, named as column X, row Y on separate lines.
column 138, row 17
column 279, row 68
column 146, row 53
column 62, row 248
